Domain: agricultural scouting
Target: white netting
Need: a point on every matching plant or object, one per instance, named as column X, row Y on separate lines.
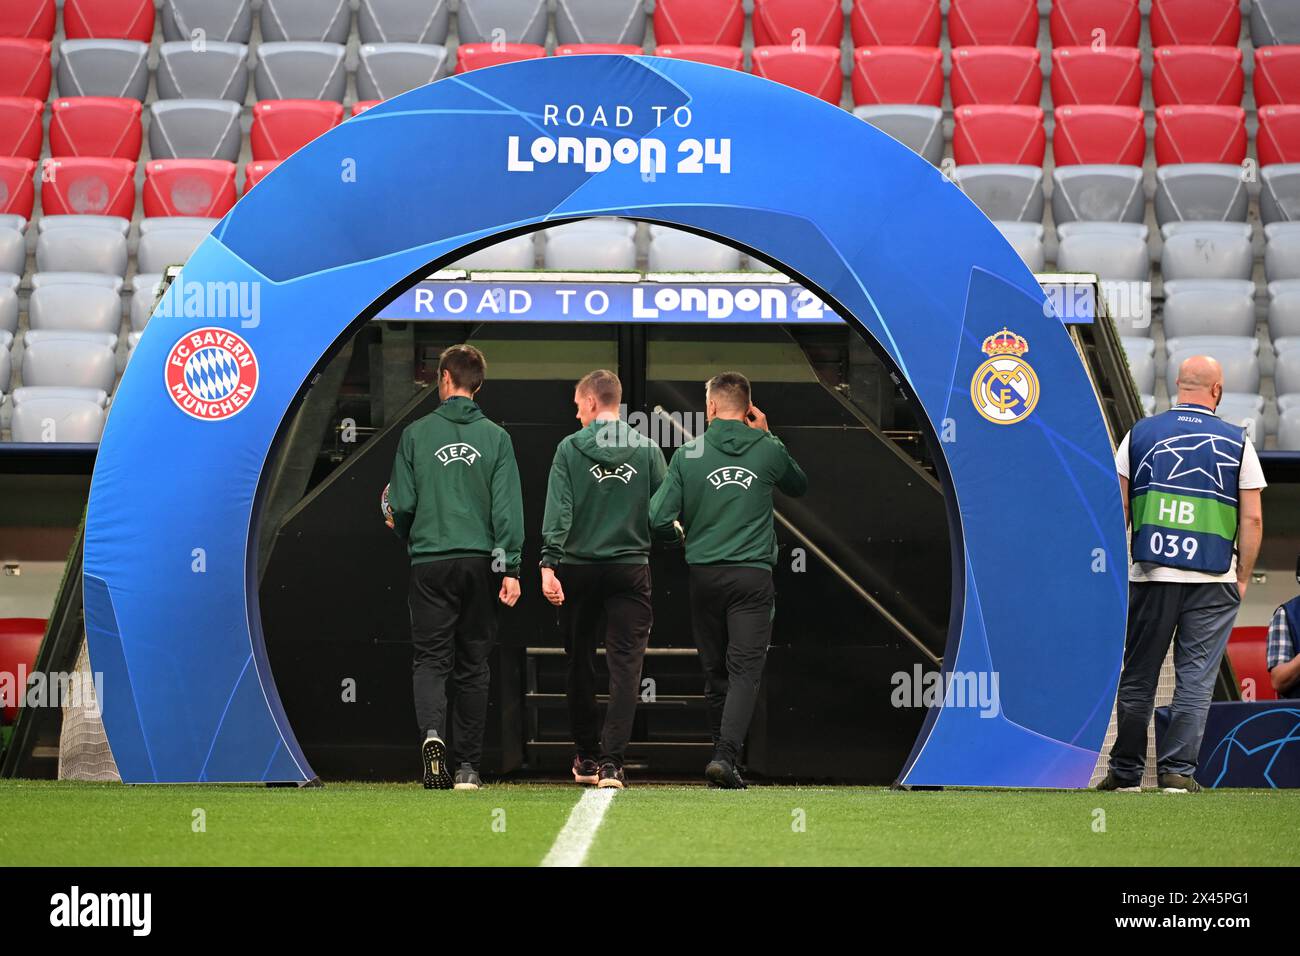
column 83, row 745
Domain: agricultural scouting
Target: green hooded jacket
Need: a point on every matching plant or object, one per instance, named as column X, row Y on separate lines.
column 455, row 487
column 598, row 496
column 719, row 485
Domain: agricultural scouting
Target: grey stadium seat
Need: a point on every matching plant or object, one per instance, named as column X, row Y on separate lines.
column 1288, row 430
column 9, row 302
column 104, row 68
column 53, row 417
column 318, row 21
column 1142, row 363
column 1284, row 308
column 1207, row 250
column 386, row 69
column 510, row 21
column 13, row 244
column 1027, row 239
column 590, row 251
column 169, row 241
column 1209, row 307
column 6, row 362
column 403, row 21
column 1148, row 404
column 1238, row 356
column 1004, row 193
column 1279, row 194
column 919, row 128
column 1201, row 191
column 84, row 359
column 1114, row 254
column 1243, row 409
column 195, row 129
column 300, row 71
column 222, row 21
column 219, row 72
column 82, row 244
column 621, row 227
column 600, row 21
column 677, row 251
column 75, row 302
column 511, row 255
column 1282, row 251
column 1098, row 193
column 1286, row 372
column 145, row 289
column 1274, row 21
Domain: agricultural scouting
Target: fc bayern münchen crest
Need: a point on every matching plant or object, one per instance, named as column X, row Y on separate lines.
column 211, row 374
column 1004, row 388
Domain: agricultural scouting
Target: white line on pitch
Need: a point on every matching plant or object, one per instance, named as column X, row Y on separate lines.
column 572, row 843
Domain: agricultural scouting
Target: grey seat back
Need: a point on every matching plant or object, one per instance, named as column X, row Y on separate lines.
column 218, row 72
column 1112, row 255
column 1282, row 251
column 13, row 249
column 403, row 21
column 1027, row 239
column 600, row 21
column 1004, row 193
column 1141, row 355
column 57, row 419
column 318, row 21
column 104, row 68
column 511, row 255
column 170, row 245
column 1288, row 430
column 78, row 247
column 145, row 289
column 1286, row 372
column 9, row 302
column 84, row 359
column 1098, row 193
column 385, row 70
column 195, row 129
column 1238, row 356
column 1201, row 192
column 76, row 305
column 1209, row 307
column 590, row 251
column 6, row 363
column 1279, row 193
column 919, row 128
column 676, row 251
column 1239, row 408
column 506, row 21
column 1207, row 250
column 1283, row 308
column 300, row 71
column 1274, row 21
column 221, row 21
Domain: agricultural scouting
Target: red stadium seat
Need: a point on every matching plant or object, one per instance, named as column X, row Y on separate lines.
column 20, row 642
column 281, row 127
column 96, row 126
column 475, row 56
column 813, row 22
column 33, row 19
column 1110, row 77
column 1112, row 135
column 996, row 74
column 729, row 56
column 1077, row 22
column 1248, row 652
column 1278, row 139
column 256, row 171
column 576, row 49
column 17, row 192
column 710, row 22
column 1277, row 75
column 360, row 106
column 999, row 134
column 21, row 133
column 896, row 23
column 1200, row 134
column 815, row 70
column 188, row 187
column 25, row 68
column 1197, row 75
column 108, row 20
column 993, row 23
column 898, row 75
column 1203, row 22
column 88, row 185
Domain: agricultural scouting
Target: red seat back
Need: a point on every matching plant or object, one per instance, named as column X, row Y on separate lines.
column 1200, row 134
column 96, row 126
column 815, row 69
column 1278, row 140
column 108, row 20
column 1277, row 75
column 17, row 191
column 993, row 22
column 88, row 185
column 20, row 642
column 996, row 74
column 577, row 49
column 1197, row 75
column 25, row 68
column 21, row 132
column 475, row 56
column 189, row 187
column 896, row 22
column 33, row 19
column 1110, row 77
column 1113, row 23
column 1248, row 651
column 999, row 134
column 731, row 57
column 1099, row 134
column 710, row 22
column 281, row 127
column 1204, row 22
column 256, row 171
column 812, row 22
column 904, row 75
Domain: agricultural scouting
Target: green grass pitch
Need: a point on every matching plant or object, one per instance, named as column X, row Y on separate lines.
column 71, row 824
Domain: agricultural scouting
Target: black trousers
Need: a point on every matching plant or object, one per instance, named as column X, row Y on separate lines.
column 453, row 630
column 607, row 603
column 731, row 617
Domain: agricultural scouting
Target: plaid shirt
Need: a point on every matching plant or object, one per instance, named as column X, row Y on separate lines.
column 1280, row 648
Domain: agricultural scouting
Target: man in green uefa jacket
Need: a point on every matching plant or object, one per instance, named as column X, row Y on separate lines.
column 595, row 554
column 455, row 498
column 720, row 485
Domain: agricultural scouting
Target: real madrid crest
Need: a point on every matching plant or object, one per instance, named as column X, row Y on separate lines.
column 1004, row 388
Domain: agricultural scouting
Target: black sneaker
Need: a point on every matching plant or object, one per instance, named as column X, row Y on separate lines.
column 723, row 774
column 611, row 775
column 1111, row 783
column 585, row 770
column 433, row 752
column 1178, row 783
column 467, row 778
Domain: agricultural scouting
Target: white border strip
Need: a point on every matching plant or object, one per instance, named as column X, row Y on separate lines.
column 572, row 843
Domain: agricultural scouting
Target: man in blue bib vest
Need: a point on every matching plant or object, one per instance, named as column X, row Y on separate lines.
column 1191, row 484
column 1283, row 652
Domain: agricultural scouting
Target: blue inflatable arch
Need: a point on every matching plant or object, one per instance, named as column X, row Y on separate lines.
column 1039, row 595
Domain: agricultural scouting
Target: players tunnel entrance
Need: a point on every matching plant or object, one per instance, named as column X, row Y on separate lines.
column 863, row 582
